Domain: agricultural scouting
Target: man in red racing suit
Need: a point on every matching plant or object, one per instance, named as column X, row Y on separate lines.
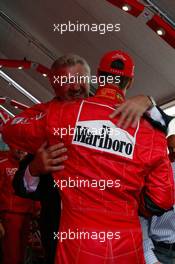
column 15, row 212
column 108, row 169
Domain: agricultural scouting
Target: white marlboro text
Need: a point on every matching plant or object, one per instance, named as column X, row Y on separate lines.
column 105, row 136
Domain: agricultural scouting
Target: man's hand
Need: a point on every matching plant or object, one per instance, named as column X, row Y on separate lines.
column 48, row 159
column 131, row 110
column 2, row 231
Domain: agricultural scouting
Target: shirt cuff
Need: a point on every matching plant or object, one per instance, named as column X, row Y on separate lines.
column 150, row 257
column 30, row 182
column 156, row 115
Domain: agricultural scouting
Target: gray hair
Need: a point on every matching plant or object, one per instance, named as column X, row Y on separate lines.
column 70, row 60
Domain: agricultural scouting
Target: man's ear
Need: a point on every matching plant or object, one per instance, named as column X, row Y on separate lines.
column 130, row 82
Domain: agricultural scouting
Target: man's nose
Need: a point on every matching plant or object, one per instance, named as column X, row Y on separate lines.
column 76, row 86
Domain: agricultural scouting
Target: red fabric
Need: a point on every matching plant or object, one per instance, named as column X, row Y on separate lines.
column 15, row 240
column 3, row 154
column 9, row 202
column 22, row 123
column 137, row 157
column 4, row 117
column 90, row 209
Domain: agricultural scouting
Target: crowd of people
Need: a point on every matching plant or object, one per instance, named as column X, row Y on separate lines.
column 104, row 193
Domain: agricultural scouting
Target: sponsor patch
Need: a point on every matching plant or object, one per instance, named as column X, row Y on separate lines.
column 102, row 135
column 11, row 171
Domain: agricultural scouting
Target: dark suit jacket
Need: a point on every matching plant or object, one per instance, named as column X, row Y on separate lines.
column 49, row 197
column 157, row 124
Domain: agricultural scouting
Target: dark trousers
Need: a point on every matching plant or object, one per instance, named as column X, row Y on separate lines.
column 164, row 255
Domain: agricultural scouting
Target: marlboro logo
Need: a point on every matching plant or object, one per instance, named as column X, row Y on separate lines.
column 103, row 135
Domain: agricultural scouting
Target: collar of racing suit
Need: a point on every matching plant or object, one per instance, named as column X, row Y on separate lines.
column 111, row 92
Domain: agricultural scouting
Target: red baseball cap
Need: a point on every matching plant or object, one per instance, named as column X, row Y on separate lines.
column 117, row 62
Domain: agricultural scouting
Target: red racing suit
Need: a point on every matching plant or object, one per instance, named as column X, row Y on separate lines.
column 21, row 134
column 107, row 169
column 15, row 213
column 9, row 202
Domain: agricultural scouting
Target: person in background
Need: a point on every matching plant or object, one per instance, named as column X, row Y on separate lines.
column 15, row 212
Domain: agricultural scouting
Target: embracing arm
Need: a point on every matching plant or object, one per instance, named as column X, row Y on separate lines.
column 137, row 106
column 157, row 195
column 27, row 131
column 27, row 181
column 19, row 182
